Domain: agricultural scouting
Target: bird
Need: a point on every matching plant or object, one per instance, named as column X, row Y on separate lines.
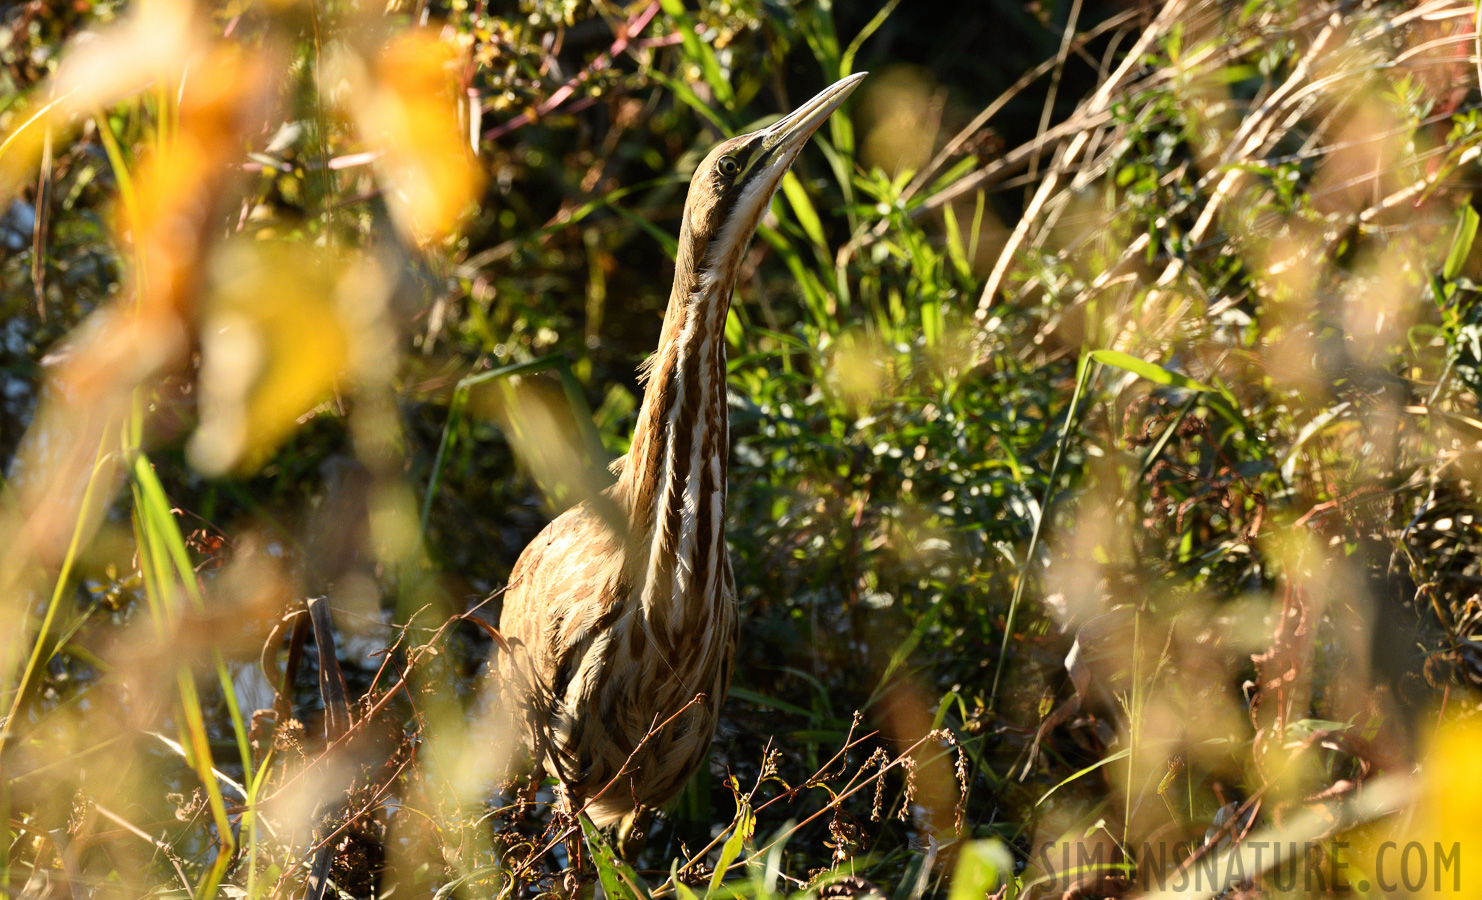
column 620, row 623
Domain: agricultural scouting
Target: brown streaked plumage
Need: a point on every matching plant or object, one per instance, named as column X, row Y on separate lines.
column 612, row 635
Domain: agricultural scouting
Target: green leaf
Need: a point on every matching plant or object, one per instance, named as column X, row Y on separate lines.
column 744, row 824
column 1144, row 369
column 815, row 296
column 1461, row 242
column 956, row 251
column 619, row 881
column 735, row 331
column 933, row 323
column 698, row 51
column 980, row 867
column 692, row 100
column 802, row 208
column 842, row 167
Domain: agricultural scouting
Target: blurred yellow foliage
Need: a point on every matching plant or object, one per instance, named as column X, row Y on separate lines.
column 1449, row 808
column 858, row 369
column 153, row 44
column 904, row 108
column 405, row 103
column 280, row 324
column 272, row 346
column 180, row 188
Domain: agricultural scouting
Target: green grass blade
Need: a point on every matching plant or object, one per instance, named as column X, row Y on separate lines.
column 846, row 62
column 750, row 696
column 1461, row 242
column 661, row 237
column 681, row 890
column 1151, row 371
column 1082, row 377
column 803, row 211
column 688, row 97
column 903, row 650
column 455, row 416
column 63, row 577
column 1122, row 754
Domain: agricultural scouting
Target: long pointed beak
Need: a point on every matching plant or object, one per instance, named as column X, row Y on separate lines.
column 770, row 153
column 794, row 129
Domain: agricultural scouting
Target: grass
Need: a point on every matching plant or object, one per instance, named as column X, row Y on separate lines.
column 1103, row 484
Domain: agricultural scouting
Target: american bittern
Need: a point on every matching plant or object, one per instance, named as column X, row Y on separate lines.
column 621, row 645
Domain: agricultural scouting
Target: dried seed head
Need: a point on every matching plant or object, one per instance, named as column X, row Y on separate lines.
column 909, row 764
column 880, row 758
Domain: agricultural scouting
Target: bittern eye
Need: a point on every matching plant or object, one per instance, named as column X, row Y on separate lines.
column 728, row 166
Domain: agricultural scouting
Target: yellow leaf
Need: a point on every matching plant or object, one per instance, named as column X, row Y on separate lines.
column 406, row 104
column 273, row 345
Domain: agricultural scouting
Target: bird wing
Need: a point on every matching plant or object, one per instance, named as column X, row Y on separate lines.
column 564, row 586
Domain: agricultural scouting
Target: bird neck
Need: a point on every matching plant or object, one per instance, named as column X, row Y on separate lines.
column 674, row 480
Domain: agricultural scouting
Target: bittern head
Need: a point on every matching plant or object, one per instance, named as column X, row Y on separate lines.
column 733, row 187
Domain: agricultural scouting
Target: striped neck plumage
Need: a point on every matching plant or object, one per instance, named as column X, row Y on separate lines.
column 674, row 480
